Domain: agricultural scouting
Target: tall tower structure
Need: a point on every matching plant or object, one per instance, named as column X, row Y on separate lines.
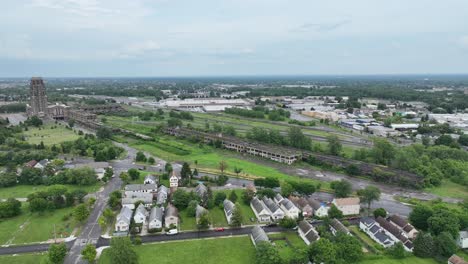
column 38, row 96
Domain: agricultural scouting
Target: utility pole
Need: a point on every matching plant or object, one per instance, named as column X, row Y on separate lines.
column 55, row 235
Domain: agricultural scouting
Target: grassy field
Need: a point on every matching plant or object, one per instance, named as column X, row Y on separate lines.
column 236, row 250
column 32, row 227
column 22, row 259
column 22, row 191
column 50, row 135
column 450, row 189
column 287, row 243
column 369, row 243
column 388, row 260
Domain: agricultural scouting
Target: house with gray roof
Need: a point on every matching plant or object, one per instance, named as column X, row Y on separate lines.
column 261, row 211
column 290, row 210
column 201, row 190
column 278, row 198
column 145, row 198
column 395, row 233
column 156, row 218
column 320, row 209
column 403, row 225
column 303, row 205
column 140, row 214
column 258, row 235
column 131, row 189
column 336, row 226
column 122, row 223
column 199, row 211
column 171, row 216
column 151, row 179
column 307, row 232
column 275, row 212
column 228, row 209
column 376, row 232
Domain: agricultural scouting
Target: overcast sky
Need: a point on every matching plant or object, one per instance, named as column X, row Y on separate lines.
column 232, row 37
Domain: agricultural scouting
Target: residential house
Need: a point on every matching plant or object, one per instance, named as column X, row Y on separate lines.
column 454, row 259
column 289, row 209
column 174, row 180
column 201, row 190
column 320, row 209
column 404, row 226
column 462, row 240
column 151, row 179
column 348, row 206
column 228, row 210
column 145, row 198
column 155, row 218
column 30, row 164
column 336, row 226
column 307, row 232
column 275, row 212
column 171, row 216
column 373, row 229
column 162, row 195
column 258, row 235
column 303, row 205
column 122, row 223
column 199, row 211
column 395, row 233
column 41, row 164
column 140, row 214
column 278, row 198
column 261, row 211
column 131, row 189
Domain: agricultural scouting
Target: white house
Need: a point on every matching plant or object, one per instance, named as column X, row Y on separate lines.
column 377, row 233
column 228, row 209
column 320, row 209
column 132, row 189
column 155, row 218
column 199, row 211
column 401, row 223
column 275, row 212
column 258, row 235
column 463, row 239
column 146, row 198
column 348, row 206
column 278, row 198
column 289, row 209
column 123, row 220
column 140, row 215
column 260, row 210
column 41, row 164
column 336, row 226
column 161, row 197
column 307, row 232
column 174, row 180
column 171, row 216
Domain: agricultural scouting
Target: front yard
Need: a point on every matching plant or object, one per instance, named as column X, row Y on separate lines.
column 236, row 250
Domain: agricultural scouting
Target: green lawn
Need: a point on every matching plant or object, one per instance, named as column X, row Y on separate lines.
column 369, row 243
column 286, row 243
column 236, row 250
column 187, row 222
column 22, row 191
column 50, row 135
column 247, row 212
column 450, row 189
column 388, row 260
column 22, row 259
column 33, row 227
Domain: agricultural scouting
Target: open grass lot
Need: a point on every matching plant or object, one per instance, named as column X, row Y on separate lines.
column 22, row 259
column 450, row 189
column 372, row 259
column 236, row 250
column 50, row 135
column 22, row 191
column 187, row 222
column 33, row 227
column 287, row 243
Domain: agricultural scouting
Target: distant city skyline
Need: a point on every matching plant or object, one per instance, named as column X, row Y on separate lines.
column 138, row 38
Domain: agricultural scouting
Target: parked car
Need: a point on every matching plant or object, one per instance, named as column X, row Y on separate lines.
column 172, row 232
column 219, row 229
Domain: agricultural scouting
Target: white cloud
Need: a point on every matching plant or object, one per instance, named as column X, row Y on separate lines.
column 138, row 49
column 464, row 41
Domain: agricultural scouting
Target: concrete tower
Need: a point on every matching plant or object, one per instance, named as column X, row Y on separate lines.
column 38, row 96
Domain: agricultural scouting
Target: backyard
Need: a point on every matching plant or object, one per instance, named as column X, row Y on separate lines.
column 22, row 191
column 236, row 250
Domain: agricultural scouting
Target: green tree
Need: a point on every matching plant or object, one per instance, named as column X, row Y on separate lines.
column 334, row 212
column 297, row 139
column 322, row 251
column 140, row 157
column 236, row 218
column 168, row 168
column 192, row 208
column 382, row 152
column 81, row 212
column 57, row 253
column 287, row 222
column 342, row 188
column 233, row 196
column 334, row 145
column 151, row 160
column 222, row 166
column 181, row 199
column 368, row 195
column 204, row 221
column 186, row 172
column 286, row 189
column 397, row 251
column 219, row 198
column 267, row 254
column 424, row 245
column 419, row 216
column 121, row 251
column 444, row 221
column 125, row 177
column 103, row 133
column 380, row 212
column 247, row 196
column 237, row 171
column 445, row 244
column 134, row 174
column 348, row 248
column 89, row 253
